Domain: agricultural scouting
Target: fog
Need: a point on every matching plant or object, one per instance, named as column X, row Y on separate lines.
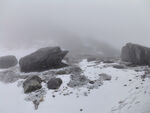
column 80, row 24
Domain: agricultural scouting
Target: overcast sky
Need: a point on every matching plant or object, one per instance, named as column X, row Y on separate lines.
column 113, row 21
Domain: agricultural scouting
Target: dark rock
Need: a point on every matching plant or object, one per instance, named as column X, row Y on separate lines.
column 108, row 61
column 117, row 66
column 54, row 83
column 130, row 80
column 136, row 54
column 32, row 84
column 125, row 85
column 43, row 59
column 91, row 82
column 81, row 110
column 8, row 61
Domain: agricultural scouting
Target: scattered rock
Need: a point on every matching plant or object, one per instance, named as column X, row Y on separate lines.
column 136, row 54
column 43, row 59
column 69, row 70
column 36, row 97
column 9, row 76
column 62, row 72
column 125, row 85
column 75, row 70
column 81, row 110
column 117, row 66
column 93, row 58
column 105, row 76
column 91, row 82
column 108, row 61
column 54, row 83
column 32, row 84
column 78, row 81
column 8, row 61
column 130, row 80
column 53, row 96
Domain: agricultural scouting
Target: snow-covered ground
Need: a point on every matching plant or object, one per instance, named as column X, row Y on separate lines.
column 126, row 92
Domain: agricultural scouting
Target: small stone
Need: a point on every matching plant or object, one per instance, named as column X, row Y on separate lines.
column 125, row 85
column 130, row 79
column 81, row 110
column 91, row 82
column 137, row 88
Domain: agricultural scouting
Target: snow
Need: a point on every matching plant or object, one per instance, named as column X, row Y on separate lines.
column 126, row 92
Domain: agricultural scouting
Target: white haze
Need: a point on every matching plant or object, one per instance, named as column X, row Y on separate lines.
column 108, row 24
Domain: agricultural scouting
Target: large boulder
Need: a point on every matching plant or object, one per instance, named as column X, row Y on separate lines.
column 43, row 59
column 135, row 54
column 8, row 61
column 54, row 83
column 32, row 84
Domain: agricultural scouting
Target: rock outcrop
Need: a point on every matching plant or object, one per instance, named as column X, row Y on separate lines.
column 43, row 59
column 135, row 54
column 8, row 61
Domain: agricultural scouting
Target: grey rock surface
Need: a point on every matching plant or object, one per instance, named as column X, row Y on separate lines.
column 32, row 84
column 8, row 61
column 43, row 59
column 54, row 83
column 136, row 54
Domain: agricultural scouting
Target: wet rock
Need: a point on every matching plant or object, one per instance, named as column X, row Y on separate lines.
column 9, row 76
column 32, row 84
column 105, row 76
column 136, row 54
column 8, row 61
column 54, row 83
column 43, row 59
column 78, row 81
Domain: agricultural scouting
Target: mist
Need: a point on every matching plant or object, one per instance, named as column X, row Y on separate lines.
column 81, row 26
